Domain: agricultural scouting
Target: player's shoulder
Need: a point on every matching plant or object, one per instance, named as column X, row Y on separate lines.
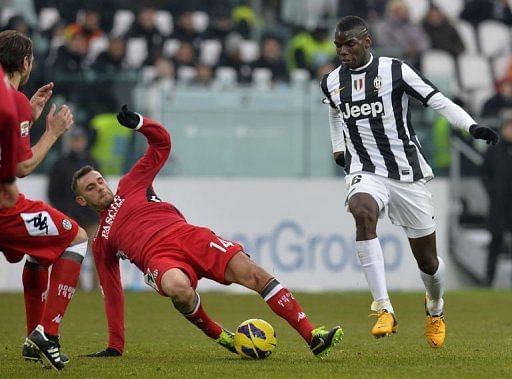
column 19, row 97
column 331, row 78
column 389, row 60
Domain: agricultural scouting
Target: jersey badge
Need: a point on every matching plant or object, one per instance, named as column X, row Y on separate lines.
column 377, row 82
column 25, row 128
column 66, row 224
column 358, row 84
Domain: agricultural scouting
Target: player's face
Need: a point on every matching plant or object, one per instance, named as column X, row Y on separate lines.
column 94, row 191
column 352, row 46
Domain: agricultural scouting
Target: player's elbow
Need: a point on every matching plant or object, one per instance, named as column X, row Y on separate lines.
column 22, row 169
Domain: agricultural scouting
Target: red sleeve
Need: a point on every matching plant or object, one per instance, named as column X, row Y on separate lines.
column 107, row 266
column 24, row 125
column 143, row 173
column 8, row 132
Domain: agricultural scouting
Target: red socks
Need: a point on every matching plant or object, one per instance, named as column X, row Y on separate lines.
column 63, row 280
column 282, row 302
column 199, row 318
column 35, row 282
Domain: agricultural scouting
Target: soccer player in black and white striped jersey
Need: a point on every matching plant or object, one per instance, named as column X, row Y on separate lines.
column 373, row 139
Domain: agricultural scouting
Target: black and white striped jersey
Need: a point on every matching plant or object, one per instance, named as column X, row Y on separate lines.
column 370, row 119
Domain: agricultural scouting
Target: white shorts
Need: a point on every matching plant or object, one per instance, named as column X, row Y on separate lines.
column 409, row 204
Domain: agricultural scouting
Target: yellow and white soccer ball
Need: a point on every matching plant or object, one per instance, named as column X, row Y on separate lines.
column 255, row 339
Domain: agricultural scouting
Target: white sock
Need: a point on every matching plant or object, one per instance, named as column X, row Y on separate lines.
column 372, row 261
column 435, row 285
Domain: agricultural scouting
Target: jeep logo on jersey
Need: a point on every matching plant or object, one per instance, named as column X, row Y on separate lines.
column 357, row 110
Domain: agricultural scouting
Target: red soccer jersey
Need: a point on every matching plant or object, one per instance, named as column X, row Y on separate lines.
column 24, row 124
column 132, row 219
column 8, row 131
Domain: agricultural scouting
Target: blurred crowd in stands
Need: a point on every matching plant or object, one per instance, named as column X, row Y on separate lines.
column 98, row 51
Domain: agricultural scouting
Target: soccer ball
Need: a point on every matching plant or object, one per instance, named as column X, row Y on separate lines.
column 255, row 339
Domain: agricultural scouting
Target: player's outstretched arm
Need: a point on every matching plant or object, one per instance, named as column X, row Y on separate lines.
column 107, row 353
column 485, row 133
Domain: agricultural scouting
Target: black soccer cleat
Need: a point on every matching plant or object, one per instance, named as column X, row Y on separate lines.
column 48, row 348
column 30, row 353
column 323, row 340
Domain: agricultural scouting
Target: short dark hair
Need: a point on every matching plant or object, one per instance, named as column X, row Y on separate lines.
column 350, row 22
column 14, row 47
column 81, row 172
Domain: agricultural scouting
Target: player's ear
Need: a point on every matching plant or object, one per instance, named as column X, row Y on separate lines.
column 367, row 41
column 80, row 200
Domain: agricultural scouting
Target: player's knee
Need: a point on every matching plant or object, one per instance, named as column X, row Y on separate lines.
column 257, row 277
column 176, row 285
column 365, row 217
column 428, row 266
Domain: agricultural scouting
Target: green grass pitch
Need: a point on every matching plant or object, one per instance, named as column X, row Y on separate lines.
column 161, row 344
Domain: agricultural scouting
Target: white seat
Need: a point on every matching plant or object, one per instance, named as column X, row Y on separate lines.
column 136, row 51
column 170, row 47
column 474, row 71
column 500, row 66
column 7, row 13
column 96, row 46
column 163, row 22
column 451, row 8
column 440, row 67
column 225, row 77
column 186, row 74
column 201, row 21
column 475, row 79
column 468, row 35
column 148, row 73
column 299, row 76
column 48, row 17
column 417, row 9
column 123, row 19
column 494, row 38
column 210, row 52
column 249, row 50
column 262, row 78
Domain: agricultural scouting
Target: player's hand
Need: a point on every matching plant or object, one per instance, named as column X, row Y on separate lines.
column 128, row 118
column 108, row 352
column 8, row 194
column 485, row 133
column 339, row 158
column 59, row 122
column 40, row 98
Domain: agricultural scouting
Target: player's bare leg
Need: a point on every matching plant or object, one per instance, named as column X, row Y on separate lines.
column 176, row 284
column 242, row 270
column 365, row 210
column 432, row 271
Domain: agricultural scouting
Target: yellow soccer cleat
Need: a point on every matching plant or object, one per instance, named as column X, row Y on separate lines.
column 386, row 324
column 435, row 331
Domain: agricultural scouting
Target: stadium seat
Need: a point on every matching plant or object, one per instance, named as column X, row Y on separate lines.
column 475, row 79
column 123, row 19
column 225, row 77
column 468, row 35
column 136, row 51
column 299, row 76
column 210, row 51
column 261, row 78
column 201, row 21
column 48, row 17
column 148, row 73
column 500, row 66
column 417, row 9
column 185, row 74
column 451, row 8
column 96, row 46
column 170, row 47
column 249, row 50
column 163, row 22
column 6, row 14
column 494, row 38
column 439, row 66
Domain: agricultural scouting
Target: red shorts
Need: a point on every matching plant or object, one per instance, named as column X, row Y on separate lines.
column 37, row 229
column 197, row 251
